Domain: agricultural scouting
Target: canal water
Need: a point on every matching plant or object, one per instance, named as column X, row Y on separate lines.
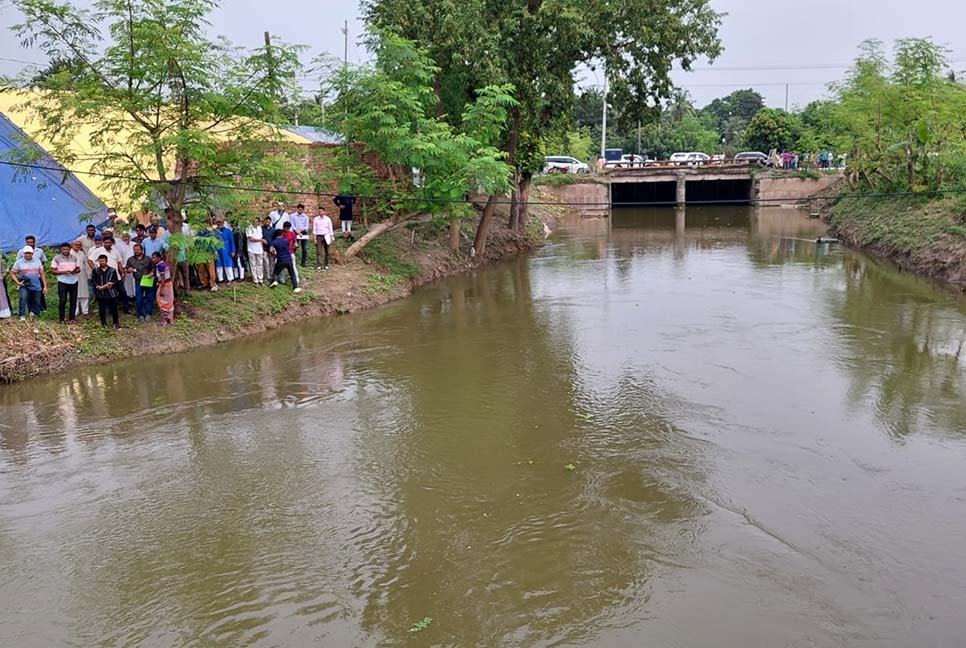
column 697, row 429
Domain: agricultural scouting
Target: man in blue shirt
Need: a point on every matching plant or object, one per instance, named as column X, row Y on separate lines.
column 268, row 235
column 153, row 243
column 300, row 225
column 282, row 251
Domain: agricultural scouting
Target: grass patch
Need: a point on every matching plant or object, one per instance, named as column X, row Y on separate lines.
column 381, row 283
column 906, row 224
column 561, row 179
column 384, row 251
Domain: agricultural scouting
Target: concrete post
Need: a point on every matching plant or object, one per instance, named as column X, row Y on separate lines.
column 682, row 192
column 755, row 197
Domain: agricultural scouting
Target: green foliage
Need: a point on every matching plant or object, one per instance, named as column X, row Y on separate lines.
column 560, row 179
column 772, row 128
column 902, row 130
column 391, row 108
column 537, row 46
column 155, row 101
column 421, row 625
column 387, row 255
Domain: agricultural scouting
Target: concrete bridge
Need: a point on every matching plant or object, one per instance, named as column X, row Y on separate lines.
column 679, row 186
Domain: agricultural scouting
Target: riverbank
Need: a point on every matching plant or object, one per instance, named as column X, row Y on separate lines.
column 389, row 268
column 927, row 237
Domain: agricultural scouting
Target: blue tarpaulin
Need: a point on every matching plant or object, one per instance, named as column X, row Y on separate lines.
column 51, row 205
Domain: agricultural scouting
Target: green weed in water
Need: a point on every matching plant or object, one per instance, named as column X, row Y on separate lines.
column 570, row 467
column 421, row 625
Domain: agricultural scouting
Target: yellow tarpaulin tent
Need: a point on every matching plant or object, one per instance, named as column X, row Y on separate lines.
column 20, row 107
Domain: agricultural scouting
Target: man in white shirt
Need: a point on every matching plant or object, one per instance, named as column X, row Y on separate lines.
column 256, row 251
column 322, row 229
column 114, row 258
column 279, row 216
column 300, row 225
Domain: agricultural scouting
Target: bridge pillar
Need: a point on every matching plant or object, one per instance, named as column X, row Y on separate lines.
column 682, row 193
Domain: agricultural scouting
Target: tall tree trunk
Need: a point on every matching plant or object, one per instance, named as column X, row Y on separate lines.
column 479, row 243
column 514, row 205
column 523, row 207
column 382, row 228
column 454, row 235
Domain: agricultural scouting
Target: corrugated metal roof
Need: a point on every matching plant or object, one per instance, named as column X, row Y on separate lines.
column 315, row 134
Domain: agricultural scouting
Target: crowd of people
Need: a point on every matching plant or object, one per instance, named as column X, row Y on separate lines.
column 124, row 264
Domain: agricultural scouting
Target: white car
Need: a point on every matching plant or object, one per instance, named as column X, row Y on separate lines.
column 628, row 161
column 564, row 164
column 690, row 159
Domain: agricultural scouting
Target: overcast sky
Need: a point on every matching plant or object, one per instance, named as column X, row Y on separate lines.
column 755, row 33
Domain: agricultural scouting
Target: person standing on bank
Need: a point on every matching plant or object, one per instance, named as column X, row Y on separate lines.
column 268, row 260
column 282, row 251
column 241, row 248
column 83, row 278
column 30, row 241
column 322, row 229
column 344, row 202
column 256, row 251
column 65, row 266
column 300, row 225
column 225, row 261
column 4, row 297
column 28, row 274
column 141, row 269
column 106, row 281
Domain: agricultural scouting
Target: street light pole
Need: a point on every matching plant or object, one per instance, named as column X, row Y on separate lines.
column 603, row 130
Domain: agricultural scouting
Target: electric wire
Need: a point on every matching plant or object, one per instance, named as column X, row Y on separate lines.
column 448, row 201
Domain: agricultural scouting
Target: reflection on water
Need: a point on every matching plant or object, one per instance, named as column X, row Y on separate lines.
column 676, row 428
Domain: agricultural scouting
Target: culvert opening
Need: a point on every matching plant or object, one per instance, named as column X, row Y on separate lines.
column 641, row 194
column 718, row 192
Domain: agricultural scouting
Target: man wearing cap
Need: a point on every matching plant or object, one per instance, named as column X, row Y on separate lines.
column 225, row 261
column 30, row 241
column 28, row 274
column 114, row 258
column 111, row 224
column 300, row 225
column 95, row 251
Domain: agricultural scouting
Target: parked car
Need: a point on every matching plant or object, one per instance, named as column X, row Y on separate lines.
column 627, row 161
column 754, row 157
column 690, row 159
column 564, row 164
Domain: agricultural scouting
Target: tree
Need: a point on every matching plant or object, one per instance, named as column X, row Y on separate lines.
column 536, row 45
column 904, row 130
column 167, row 113
column 390, row 108
column 772, row 128
column 730, row 115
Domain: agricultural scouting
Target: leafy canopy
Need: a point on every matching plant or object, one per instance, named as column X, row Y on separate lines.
column 146, row 98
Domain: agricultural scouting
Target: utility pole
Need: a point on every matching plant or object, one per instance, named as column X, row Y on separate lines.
column 270, row 60
column 603, row 130
column 639, row 139
column 345, row 89
column 786, row 97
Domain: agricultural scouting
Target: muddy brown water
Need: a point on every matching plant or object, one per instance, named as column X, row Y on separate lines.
column 767, row 440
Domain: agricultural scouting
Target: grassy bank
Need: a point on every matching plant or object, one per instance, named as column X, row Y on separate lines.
column 389, row 268
column 926, row 236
